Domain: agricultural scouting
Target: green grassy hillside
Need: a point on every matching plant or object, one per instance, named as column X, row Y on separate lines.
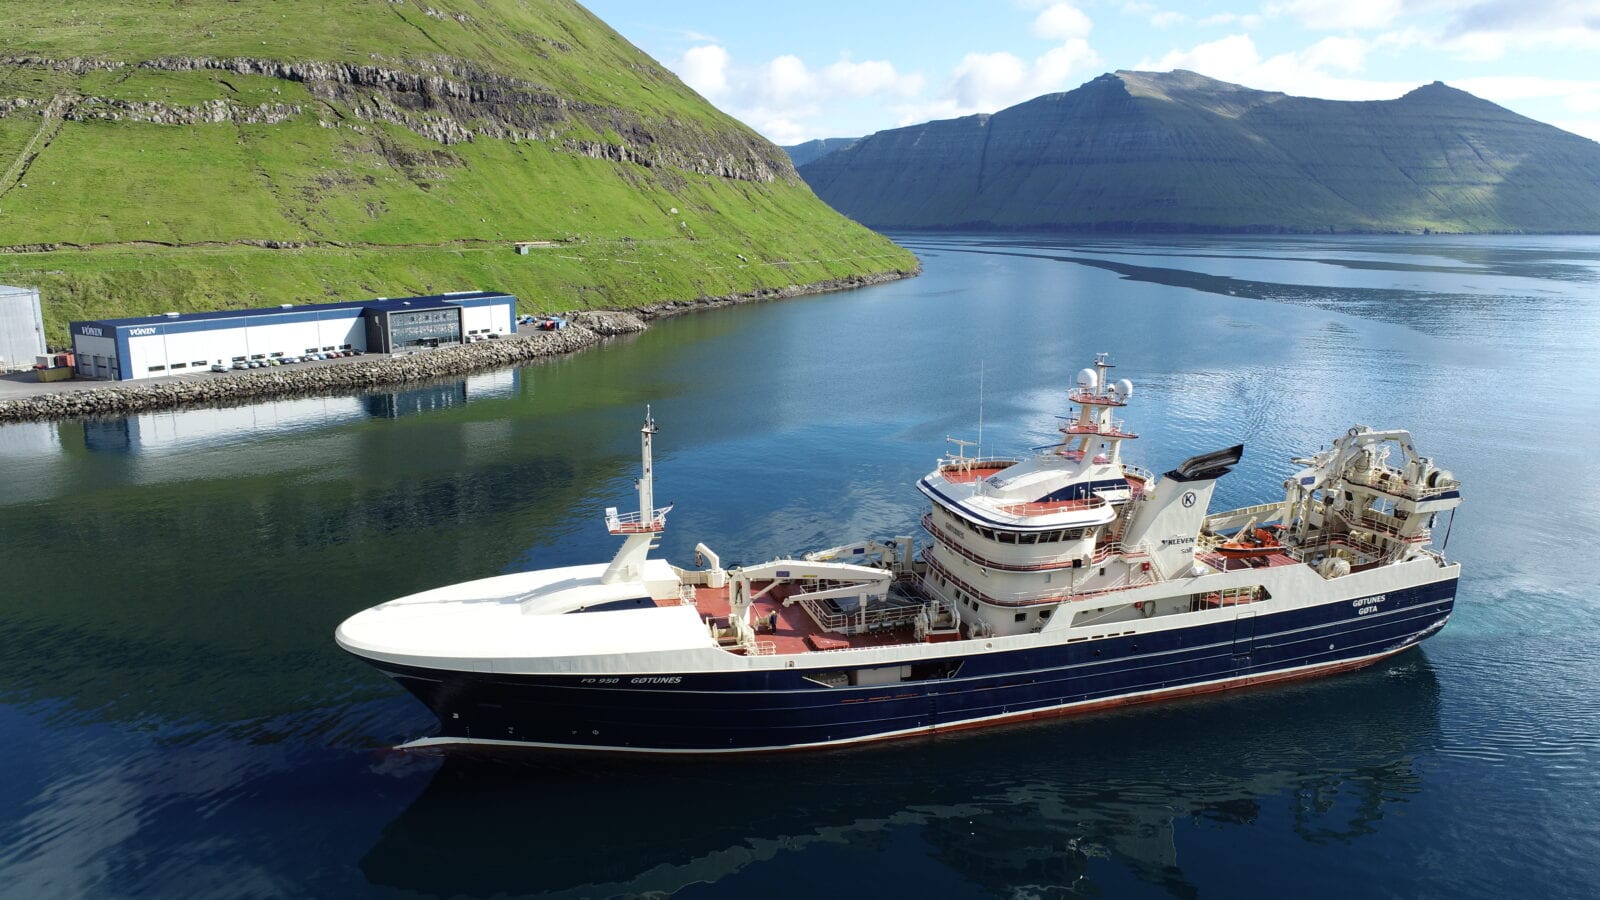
column 198, row 154
column 1175, row 151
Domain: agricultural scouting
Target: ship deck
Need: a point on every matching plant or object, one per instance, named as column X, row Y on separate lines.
column 795, row 631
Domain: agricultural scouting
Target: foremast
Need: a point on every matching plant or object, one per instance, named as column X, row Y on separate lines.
column 638, row 530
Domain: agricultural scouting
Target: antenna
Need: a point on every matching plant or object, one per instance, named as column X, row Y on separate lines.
column 980, row 407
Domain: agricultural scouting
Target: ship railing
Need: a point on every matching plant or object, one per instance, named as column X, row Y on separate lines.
column 1141, row 473
column 633, row 522
column 761, row 648
column 857, row 622
column 964, row 469
column 1086, row 397
column 686, row 595
column 1112, row 428
column 1393, row 481
column 1052, row 509
column 1238, row 518
column 1386, row 526
column 1316, row 541
column 1435, row 555
column 965, row 463
column 1133, row 578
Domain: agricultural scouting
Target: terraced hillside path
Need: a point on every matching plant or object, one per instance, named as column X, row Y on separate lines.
column 50, row 119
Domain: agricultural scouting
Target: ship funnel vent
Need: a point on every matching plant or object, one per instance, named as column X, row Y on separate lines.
column 1206, row 466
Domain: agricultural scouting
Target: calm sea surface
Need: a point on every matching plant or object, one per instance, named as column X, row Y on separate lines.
column 178, row 721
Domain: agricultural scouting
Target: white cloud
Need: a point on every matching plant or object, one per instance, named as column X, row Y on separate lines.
column 984, row 80
column 1052, row 71
column 1061, row 22
column 1347, row 54
column 1248, row 21
column 784, row 98
column 860, row 79
column 705, row 68
column 1309, row 72
column 786, row 80
column 987, row 82
column 1339, row 15
column 1167, row 19
column 1589, row 128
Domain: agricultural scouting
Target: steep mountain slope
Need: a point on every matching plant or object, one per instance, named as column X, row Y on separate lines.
column 801, row 154
column 184, row 155
column 1141, row 151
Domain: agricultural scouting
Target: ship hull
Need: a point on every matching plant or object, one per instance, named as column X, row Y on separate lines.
column 973, row 686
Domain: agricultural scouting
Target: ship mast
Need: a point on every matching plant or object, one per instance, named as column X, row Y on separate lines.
column 638, row 529
column 647, row 480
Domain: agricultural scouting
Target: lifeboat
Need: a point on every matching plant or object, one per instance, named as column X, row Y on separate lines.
column 1250, row 543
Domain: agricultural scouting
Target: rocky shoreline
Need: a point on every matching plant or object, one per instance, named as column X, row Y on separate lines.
column 585, row 329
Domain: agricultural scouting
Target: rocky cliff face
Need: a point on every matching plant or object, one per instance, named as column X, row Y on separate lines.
column 445, row 100
column 1137, row 151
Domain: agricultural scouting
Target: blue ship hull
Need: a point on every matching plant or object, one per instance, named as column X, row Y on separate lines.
column 783, row 709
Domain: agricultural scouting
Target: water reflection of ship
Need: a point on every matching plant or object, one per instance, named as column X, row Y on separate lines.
column 1047, row 805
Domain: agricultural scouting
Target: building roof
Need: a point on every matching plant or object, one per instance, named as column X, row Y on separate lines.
column 381, row 303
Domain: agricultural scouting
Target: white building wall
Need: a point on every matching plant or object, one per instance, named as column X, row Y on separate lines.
column 232, row 339
column 21, row 328
column 336, row 333
column 494, row 319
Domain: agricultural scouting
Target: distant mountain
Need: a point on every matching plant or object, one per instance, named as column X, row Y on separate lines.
column 1144, row 151
column 801, row 154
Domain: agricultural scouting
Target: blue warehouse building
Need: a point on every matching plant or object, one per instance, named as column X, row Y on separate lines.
column 175, row 343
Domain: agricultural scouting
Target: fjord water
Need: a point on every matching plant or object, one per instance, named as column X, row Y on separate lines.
column 179, row 722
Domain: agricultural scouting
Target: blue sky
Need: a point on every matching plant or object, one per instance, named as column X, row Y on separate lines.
column 826, row 68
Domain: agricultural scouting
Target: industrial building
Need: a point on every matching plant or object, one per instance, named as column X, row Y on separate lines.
column 174, row 343
column 21, row 328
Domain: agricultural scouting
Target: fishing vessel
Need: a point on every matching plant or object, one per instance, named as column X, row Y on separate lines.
column 1059, row 581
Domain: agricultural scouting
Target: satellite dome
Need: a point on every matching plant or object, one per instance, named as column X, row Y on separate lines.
column 1125, row 388
column 1086, row 378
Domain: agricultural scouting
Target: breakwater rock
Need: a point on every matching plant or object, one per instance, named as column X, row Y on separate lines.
column 586, row 329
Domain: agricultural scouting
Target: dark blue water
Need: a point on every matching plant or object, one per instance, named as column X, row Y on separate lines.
column 180, row 723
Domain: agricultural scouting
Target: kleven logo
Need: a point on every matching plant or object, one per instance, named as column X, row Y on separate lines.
column 1189, row 499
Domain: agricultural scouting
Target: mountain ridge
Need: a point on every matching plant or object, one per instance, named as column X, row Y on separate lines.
column 163, row 156
column 1144, row 151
